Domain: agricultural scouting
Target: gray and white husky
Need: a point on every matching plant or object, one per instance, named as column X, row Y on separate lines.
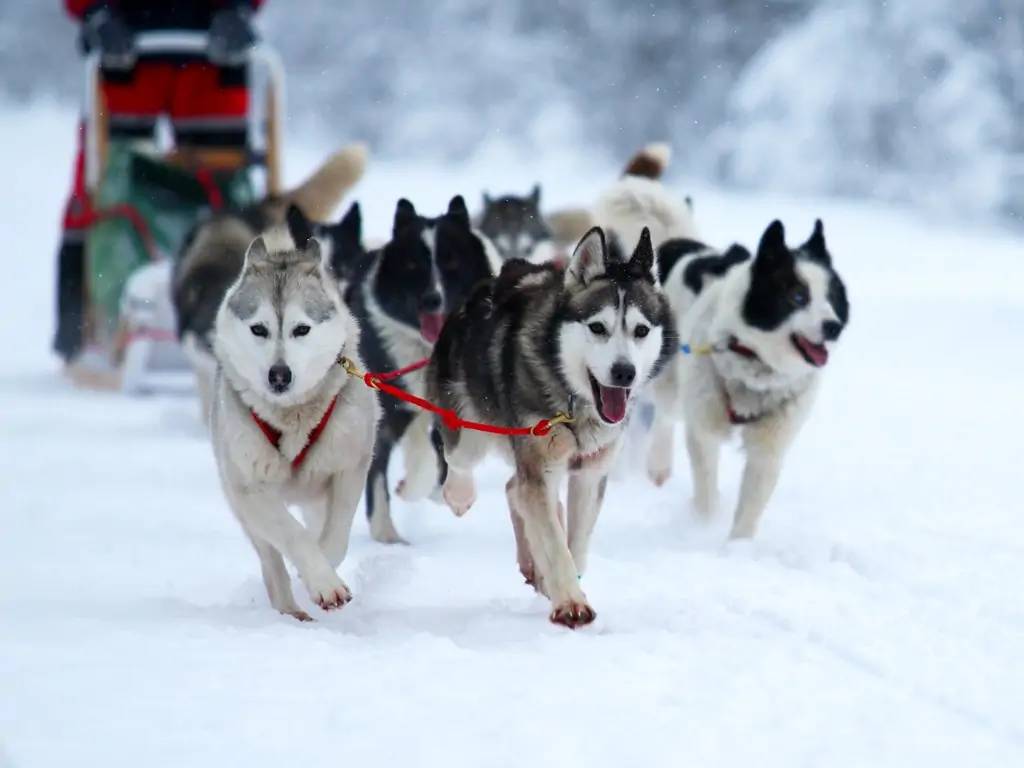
column 289, row 426
column 534, row 341
column 759, row 331
column 211, row 255
column 517, row 227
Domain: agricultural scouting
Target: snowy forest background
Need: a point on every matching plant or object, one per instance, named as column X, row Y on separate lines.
column 918, row 101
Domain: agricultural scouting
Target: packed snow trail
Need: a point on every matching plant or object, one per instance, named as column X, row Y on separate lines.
column 877, row 619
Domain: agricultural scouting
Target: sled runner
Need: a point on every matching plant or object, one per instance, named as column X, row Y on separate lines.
column 140, row 203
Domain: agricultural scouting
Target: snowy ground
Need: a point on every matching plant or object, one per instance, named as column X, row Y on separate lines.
column 878, row 618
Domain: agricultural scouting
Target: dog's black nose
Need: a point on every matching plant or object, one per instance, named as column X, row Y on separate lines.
column 623, row 374
column 280, row 377
column 831, row 330
column 430, row 302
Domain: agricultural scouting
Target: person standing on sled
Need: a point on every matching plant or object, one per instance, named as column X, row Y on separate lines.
column 205, row 98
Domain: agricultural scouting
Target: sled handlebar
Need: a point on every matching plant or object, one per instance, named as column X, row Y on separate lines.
column 147, row 43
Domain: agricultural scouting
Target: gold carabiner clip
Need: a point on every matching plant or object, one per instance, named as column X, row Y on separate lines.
column 349, row 366
column 560, row 418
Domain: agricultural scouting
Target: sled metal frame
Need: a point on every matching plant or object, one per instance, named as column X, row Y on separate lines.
column 264, row 128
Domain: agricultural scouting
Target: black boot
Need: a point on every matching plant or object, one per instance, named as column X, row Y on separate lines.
column 69, row 339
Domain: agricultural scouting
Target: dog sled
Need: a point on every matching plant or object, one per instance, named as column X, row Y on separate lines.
column 140, row 203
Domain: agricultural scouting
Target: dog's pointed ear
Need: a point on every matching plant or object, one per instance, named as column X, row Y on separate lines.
column 642, row 262
column 315, row 252
column 815, row 245
column 772, row 250
column 457, row 210
column 589, row 259
column 487, row 200
column 351, row 224
column 256, row 252
column 299, row 227
column 535, row 195
column 347, row 242
column 405, row 215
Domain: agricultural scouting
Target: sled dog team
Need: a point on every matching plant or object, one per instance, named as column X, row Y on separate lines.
column 277, row 309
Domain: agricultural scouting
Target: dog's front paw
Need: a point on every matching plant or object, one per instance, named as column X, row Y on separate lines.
column 331, row 598
column 658, row 469
column 459, row 494
column 297, row 613
column 659, row 475
column 573, row 614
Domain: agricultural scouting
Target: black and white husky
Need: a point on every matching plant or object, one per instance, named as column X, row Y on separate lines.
column 535, row 341
column 288, row 425
column 758, row 330
column 401, row 295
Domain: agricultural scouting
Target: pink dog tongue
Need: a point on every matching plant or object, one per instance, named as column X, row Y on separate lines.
column 430, row 325
column 613, row 403
column 817, row 352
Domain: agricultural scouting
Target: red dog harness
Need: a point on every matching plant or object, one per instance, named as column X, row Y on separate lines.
column 743, row 351
column 273, row 434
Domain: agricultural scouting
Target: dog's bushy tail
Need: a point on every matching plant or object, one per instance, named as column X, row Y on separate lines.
column 639, row 199
column 320, row 194
column 650, row 161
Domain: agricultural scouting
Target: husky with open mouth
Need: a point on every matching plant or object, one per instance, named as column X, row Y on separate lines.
column 401, row 295
column 757, row 332
column 535, row 341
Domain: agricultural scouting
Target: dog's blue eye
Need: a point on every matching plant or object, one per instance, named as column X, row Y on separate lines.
column 799, row 297
column 598, row 329
column 259, row 329
column 641, row 331
column 300, row 330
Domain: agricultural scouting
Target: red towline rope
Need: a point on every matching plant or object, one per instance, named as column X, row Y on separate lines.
column 411, row 368
column 449, row 418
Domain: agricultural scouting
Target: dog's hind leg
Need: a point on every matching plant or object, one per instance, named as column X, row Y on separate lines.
column 703, row 450
column 586, row 492
column 378, row 497
column 277, row 581
column 268, row 519
column 420, row 461
column 536, row 492
column 661, row 450
column 342, row 500
column 523, row 557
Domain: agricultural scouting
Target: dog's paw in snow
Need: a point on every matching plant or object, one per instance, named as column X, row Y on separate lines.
column 573, row 614
column 331, row 597
column 382, row 529
column 298, row 614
